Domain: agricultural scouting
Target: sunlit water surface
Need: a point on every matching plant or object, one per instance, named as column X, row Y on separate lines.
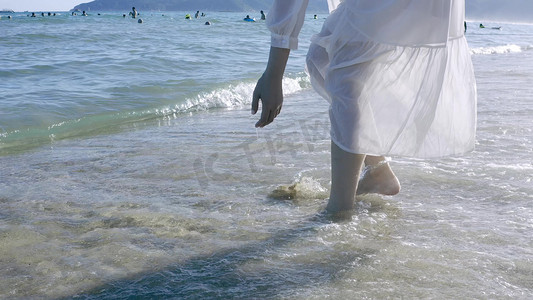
column 130, row 167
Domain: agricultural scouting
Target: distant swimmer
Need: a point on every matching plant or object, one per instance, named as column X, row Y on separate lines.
column 197, row 14
column 263, row 17
column 315, row 17
column 134, row 13
column 187, row 17
column 84, row 14
column 140, row 21
column 207, row 23
column 481, row 26
column 33, row 15
column 248, row 19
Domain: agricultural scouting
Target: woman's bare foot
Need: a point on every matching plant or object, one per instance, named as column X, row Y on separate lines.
column 378, row 179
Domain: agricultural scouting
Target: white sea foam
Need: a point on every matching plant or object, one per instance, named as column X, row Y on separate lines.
column 510, row 48
column 517, row 167
column 235, row 95
column 303, row 188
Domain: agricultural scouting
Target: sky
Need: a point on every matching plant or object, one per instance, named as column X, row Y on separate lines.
column 40, row 5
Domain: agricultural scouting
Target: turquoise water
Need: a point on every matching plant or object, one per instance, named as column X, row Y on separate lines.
column 130, row 167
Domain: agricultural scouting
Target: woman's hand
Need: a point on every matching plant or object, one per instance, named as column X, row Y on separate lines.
column 269, row 87
column 269, row 90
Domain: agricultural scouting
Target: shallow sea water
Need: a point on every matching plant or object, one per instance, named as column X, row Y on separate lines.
column 181, row 206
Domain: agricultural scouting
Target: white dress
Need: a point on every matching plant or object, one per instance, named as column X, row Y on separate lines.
column 397, row 73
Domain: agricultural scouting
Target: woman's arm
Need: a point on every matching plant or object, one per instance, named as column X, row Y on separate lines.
column 284, row 21
column 269, row 87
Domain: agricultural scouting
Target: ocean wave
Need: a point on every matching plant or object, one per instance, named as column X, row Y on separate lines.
column 232, row 96
column 510, row 48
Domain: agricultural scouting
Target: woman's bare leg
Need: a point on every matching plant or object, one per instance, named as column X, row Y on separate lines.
column 345, row 170
column 378, row 177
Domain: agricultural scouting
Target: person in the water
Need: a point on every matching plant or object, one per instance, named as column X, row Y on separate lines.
column 134, row 13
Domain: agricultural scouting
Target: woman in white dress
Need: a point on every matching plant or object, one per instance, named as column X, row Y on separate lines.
column 399, row 79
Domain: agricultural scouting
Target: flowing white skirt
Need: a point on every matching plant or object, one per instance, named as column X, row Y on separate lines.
column 388, row 99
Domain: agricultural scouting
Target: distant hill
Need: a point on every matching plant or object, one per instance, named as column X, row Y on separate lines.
column 189, row 5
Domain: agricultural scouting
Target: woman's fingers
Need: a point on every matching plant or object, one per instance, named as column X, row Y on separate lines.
column 271, row 116
column 267, row 116
column 255, row 101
